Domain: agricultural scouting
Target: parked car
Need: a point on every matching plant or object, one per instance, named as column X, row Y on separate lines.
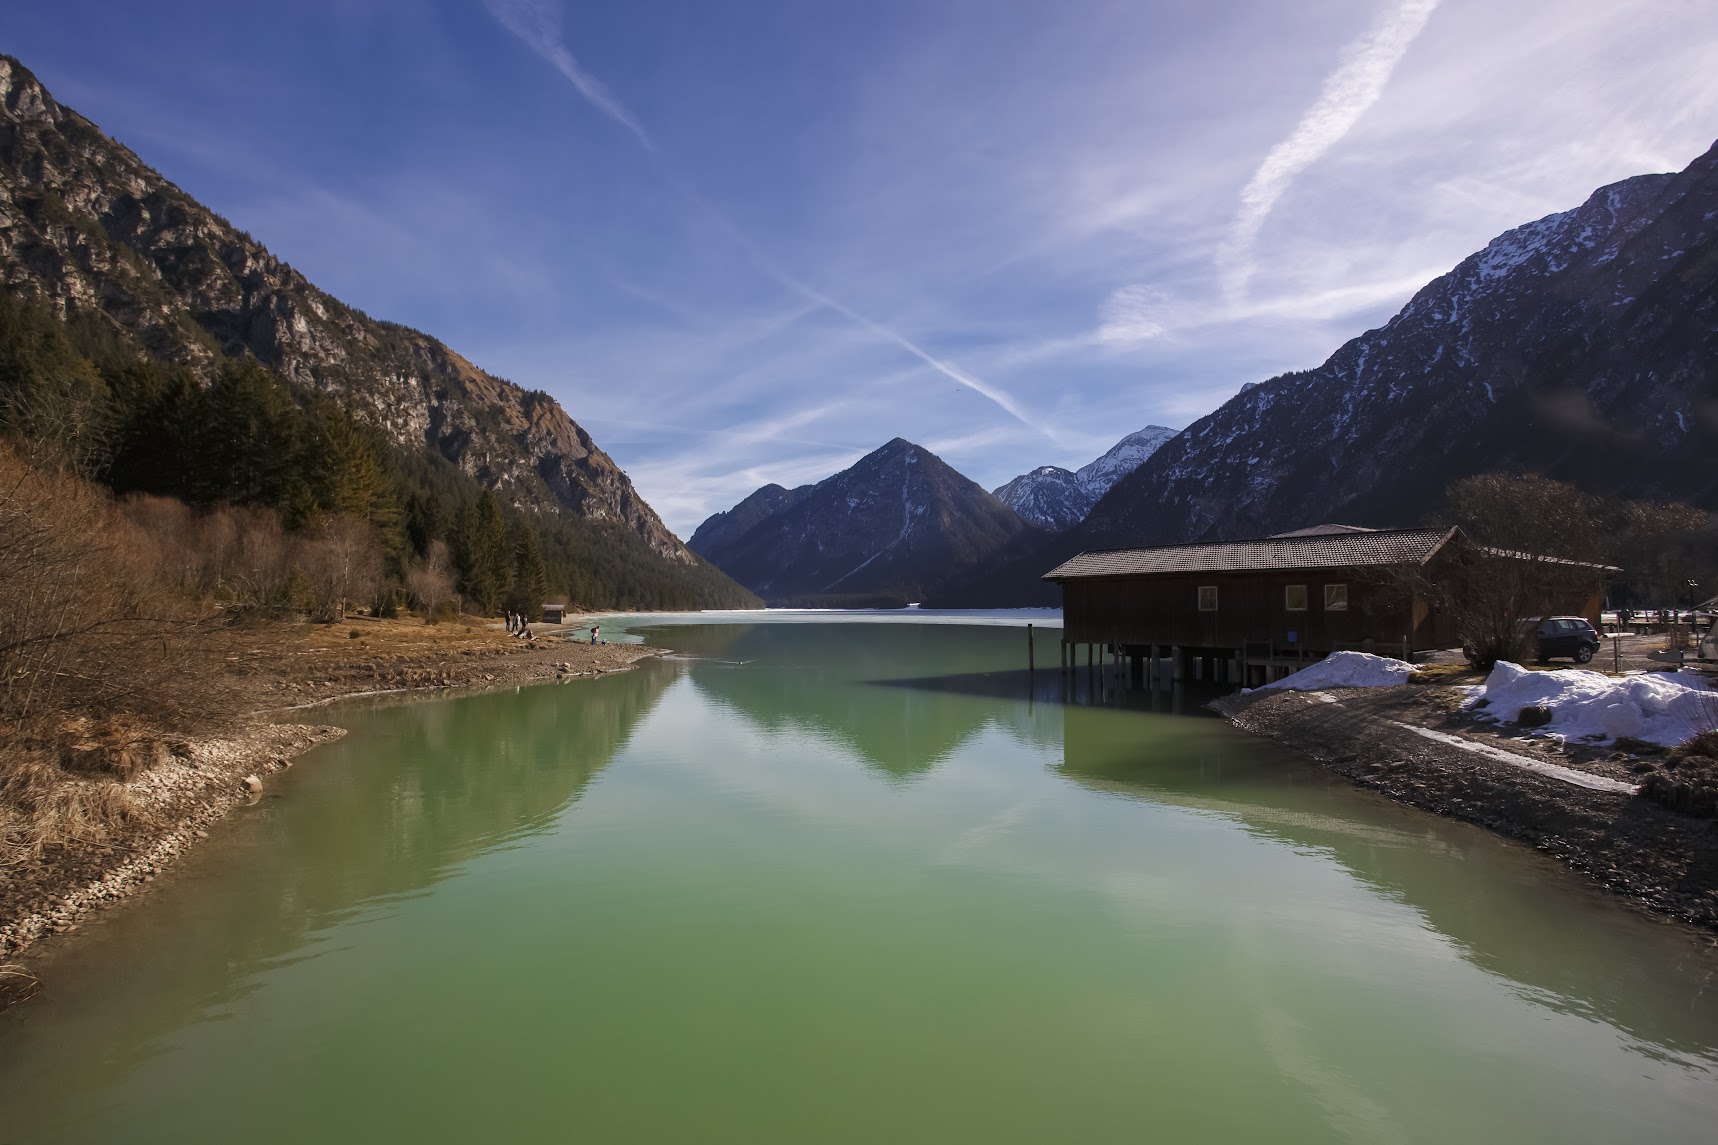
column 1569, row 636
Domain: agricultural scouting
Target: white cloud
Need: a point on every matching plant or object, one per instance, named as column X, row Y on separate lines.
column 1133, row 314
column 538, row 24
column 1348, row 93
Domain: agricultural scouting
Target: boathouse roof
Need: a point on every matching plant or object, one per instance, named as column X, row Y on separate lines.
column 1342, row 546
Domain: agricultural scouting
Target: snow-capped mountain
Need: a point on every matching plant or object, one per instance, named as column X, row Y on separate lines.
column 1050, row 497
column 1583, row 346
column 896, row 522
column 1056, row 499
column 1123, row 458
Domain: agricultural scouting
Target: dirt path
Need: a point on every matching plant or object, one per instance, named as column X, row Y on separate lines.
column 1574, row 805
column 288, row 671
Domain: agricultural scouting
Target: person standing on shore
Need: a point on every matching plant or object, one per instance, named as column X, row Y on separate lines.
column 594, row 630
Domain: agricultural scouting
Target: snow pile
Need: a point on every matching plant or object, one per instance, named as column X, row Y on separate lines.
column 1660, row 707
column 1347, row 670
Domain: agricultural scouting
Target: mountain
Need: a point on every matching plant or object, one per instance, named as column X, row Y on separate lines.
column 1123, row 458
column 1050, row 497
column 1055, row 499
column 896, row 522
column 94, row 235
column 1583, row 346
column 716, row 537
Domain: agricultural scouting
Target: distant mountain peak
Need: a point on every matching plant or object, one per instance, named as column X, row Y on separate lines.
column 1057, row 499
column 1122, row 458
column 893, row 524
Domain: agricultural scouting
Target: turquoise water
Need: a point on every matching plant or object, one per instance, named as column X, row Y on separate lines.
column 830, row 882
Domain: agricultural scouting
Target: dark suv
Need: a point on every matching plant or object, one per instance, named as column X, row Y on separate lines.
column 1569, row 636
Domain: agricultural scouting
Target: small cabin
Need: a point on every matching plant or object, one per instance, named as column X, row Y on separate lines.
column 1251, row 611
column 554, row 613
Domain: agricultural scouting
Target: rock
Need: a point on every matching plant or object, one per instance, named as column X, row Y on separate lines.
column 1534, row 716
column 252, row 785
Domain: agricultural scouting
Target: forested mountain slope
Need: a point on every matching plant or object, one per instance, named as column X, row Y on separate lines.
column 92, row 236
column 715, row 539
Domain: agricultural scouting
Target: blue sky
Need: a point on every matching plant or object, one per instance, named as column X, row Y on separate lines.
column 747, row 242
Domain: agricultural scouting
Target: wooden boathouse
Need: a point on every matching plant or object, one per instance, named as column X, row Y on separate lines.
column 1248, row 612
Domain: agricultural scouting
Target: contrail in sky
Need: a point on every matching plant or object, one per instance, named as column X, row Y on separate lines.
column 538, row 24
column 1347, row 94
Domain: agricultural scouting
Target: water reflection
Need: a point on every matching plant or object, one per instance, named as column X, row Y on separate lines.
column 413, row 793
column 783, row 679
column 1015, row 918
column 1515, row 914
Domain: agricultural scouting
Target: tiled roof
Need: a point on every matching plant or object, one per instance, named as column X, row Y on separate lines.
column 1323, row 530
column 1332, row 550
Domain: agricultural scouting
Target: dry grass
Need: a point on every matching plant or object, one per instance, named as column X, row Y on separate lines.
column 1688, row 781
column 16, row 985
column 1446, row 674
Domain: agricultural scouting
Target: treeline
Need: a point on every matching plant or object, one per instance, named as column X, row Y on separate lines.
column 1665, row 553
column 77, row 394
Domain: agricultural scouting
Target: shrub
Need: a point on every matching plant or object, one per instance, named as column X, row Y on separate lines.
column 1688, row 782
column 98, row 653
column 1534, row 716
column 1689, row 785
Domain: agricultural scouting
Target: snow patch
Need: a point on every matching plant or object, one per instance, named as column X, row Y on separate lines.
column 1347, row 670
column 1665, row 708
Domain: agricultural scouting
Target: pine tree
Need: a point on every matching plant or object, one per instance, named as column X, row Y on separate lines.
column 530, row 575
column 485, row 557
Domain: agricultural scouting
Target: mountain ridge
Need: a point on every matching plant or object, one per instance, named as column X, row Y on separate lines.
column 1057, row 499
column 1581, row 345
column 891, row 525
column 87, row 227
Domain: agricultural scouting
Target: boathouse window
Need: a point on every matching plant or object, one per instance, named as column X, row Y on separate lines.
column 1336, row 598
column 1207, row 598
column 1294, row 597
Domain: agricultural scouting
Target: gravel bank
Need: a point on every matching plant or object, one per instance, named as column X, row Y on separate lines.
column 290, row 671
column 1654, row 858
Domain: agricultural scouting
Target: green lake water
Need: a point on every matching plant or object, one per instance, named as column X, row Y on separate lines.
column 838, row 882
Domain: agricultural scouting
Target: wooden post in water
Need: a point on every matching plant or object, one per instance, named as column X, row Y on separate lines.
column 1031, row 659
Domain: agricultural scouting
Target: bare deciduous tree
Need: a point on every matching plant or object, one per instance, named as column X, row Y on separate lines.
column 343, row 561
column 96, row 650
column 1529, row 547
column 430, row 581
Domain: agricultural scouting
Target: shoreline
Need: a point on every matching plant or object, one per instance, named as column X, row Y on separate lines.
column 1410, row 744
column 182, row 799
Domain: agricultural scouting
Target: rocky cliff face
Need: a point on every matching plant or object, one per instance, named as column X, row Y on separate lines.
column 1055, row 499
column 85, row 225
column 1583, row 346
column 896, row 522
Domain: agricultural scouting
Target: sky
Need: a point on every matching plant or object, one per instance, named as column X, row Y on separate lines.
column 750, row 241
